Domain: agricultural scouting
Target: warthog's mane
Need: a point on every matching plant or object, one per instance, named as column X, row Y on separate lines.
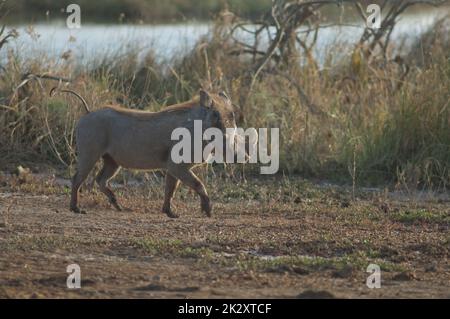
column 184, row 106
column 142, row 114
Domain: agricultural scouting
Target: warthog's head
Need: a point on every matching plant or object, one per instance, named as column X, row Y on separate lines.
column 221, row 115
column 220, row 110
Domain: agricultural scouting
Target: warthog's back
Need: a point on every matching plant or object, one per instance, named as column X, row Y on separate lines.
column 134, row 139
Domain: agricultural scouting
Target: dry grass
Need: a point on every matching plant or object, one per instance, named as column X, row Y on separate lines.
column 372, row 123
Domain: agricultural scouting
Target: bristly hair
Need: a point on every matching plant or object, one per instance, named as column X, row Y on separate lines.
column 182, row 106
column 142, row 114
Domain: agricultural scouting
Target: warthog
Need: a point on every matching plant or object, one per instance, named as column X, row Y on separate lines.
column 142, row 140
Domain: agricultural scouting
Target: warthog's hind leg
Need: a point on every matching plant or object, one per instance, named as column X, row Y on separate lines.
column 110, row 168
column 185, row 175
column 83, row 169
column 76, row 184
column 171, row 187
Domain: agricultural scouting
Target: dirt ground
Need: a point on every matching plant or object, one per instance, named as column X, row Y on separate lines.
column 273, row 237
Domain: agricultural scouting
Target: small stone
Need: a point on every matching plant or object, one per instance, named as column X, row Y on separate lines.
column 345, row 204
column 404, row 276
column 312, row 294
column 345, row 272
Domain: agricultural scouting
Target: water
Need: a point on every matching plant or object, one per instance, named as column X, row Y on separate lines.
column 93, row 41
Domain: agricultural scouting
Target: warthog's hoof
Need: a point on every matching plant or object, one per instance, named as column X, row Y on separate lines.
column 170, row 213
column 117, row 206
column 207, row 208
column 77, row 210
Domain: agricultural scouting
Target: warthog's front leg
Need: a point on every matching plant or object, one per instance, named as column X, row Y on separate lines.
column 171, row 187
column 185, row 175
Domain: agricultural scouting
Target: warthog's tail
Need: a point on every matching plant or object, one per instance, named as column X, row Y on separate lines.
column 86, row 107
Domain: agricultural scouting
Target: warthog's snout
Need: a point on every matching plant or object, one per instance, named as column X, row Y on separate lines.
column 142, row 140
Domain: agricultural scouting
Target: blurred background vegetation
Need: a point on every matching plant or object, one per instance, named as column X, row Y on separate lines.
column 148, row 11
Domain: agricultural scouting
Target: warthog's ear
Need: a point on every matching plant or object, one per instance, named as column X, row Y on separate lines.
column 205, row 99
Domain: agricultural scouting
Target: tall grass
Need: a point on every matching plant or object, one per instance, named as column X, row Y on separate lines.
column 371, row 123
